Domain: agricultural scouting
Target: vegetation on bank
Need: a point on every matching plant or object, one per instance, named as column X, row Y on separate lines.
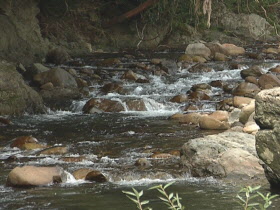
column 248, row 198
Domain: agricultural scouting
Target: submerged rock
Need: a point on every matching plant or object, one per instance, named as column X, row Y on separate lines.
column 225, row 155
column 20, row 142
column 57, row 150
column 28, row 176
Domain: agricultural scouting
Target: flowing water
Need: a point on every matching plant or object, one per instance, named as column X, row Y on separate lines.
column 112, row 142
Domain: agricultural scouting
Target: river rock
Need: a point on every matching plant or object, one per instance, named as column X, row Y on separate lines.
column 251, row 127
column 216, row 83
column 135, row 105
column 198, row 59
column 198, row 49
column 234, row 116
column 190, row 118
column 200, row 68
column 161, row 156
column 246, row 89
column 16, row 96
column 220, row 115
column 225, row 155
column 220, row 57
column 112, row 88
column 143, row 162
column 239, row 101
column 233, row 49
column 28, row 176
column 110, row 62
column 267, row 139
column 5, row 121
column 271, row 50
column 58, row 77
column 57, row 56
column 57, row 150
column 81, row 173
column 179, row 98
column 47, row 86
column 254, row 71
column 252, row 79
column 267, row 81
column 129, row 75
column 19, row 142
column 73, row 159
column 275, row 69
column 246, row 112
column 102, row 105
column 210, row 123
column 201, row 87
column 185, row 58
column 95, row 176
column 198, row 95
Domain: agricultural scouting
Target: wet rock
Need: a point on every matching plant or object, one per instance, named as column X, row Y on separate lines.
column 252, row 79
column 57, row 150
column 110, row 62
column 169, row 66
column 209, row 123
column 225, row 104
column 5, row 121
column 198, row 49
column 190, row 118
column 191, row 108
column 175, row 153
column 130, row 75
column 216, row 83
column 246, row 112
column 73, row 159
column 275, row 69
column 57, row 56
column 19, row 142
column 216, row 48
column 142, row 80
column 143, row 162
column 28, row 176
column 220, row 115
column 254, row 71
column 220, row 57
column 33, row 146
column 47, row 86
column 81, row 173
column 156, row 61
column 267, row 81
column 246, row 89
column 95, row 176
column 58, row 77
column 185, row 58
column 176, row 116
column 254, row 55
column 112, row 88
column 233, row 49
column 201, row 87
column 271, row 50
column 73, row 72
column 17, row 97
column 239, row 101
column 35, row 68
column 225, row 155
column 198, row 95
column 200, row 68
column 228, row 87
column 161, row 156
column 179, row 98
column 267, row 139
column 198, row 59
column 135, row 105
column 103, row 105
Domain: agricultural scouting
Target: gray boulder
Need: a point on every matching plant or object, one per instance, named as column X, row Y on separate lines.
column 225, row 155
column 16, row 96
column 268, row 138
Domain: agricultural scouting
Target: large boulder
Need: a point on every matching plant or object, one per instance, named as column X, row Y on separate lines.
column 211, row 123
column 16, row 96
column 268, row 138
column 225, row 155
column 268, row 81
column 58, row 77
column 198, row 49
column 28, row 176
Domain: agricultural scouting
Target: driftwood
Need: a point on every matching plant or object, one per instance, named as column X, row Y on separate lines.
column 131, row 13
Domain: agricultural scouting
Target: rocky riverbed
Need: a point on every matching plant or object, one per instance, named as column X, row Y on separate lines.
column 135, row 117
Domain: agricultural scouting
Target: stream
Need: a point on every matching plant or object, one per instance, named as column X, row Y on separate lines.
column 113, row 142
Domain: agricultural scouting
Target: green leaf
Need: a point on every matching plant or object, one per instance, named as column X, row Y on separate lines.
column 128, row 193
column 253, row 204
column 253, row 196
column 164, row 199
column 145, row 202
column 135, row 201
column 170, row 196
column 167, row 185
column 141, row 193
column 240, row 198
column 136, row 192
column 155, row 187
